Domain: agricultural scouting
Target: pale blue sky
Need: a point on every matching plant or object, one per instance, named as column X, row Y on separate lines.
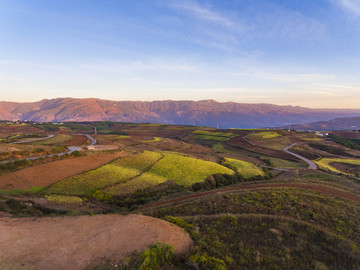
column 289, row 52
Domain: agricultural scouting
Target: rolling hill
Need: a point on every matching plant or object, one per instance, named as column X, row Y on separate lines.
column 200, row 113
column 345, row 123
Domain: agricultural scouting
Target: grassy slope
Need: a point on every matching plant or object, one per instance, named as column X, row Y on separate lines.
column 245, row 168
column 183, row 170
column 271, row 229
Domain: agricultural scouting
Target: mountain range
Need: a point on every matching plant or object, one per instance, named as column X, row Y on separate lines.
column 200, row 113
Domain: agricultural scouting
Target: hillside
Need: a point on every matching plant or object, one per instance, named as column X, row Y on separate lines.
column 199, row 113
column 345, row 123
column 248, row 198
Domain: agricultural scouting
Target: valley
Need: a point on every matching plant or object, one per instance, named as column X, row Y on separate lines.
column 237, row 198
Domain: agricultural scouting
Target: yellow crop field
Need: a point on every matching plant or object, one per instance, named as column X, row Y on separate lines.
column 325, row 163
column 181, row 169
column 245, row 168
column 263, row 135
column 118, row 171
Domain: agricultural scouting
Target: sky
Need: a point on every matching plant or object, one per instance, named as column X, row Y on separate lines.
column 286, row 52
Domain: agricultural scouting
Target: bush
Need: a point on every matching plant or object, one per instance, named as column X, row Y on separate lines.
column 207, row 262
column 156, row 256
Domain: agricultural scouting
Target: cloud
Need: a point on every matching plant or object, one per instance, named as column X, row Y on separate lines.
column 203, row 13
column 351, row 6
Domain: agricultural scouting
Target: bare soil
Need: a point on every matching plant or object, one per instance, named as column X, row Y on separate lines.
column 52, row 172
column 241, row 142
column 346, row 167
column 79, row 242
column 76, row 140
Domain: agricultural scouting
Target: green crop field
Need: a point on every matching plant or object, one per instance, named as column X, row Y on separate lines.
column 212, row 136
column 120, row 137
column 245, row 168
column 57, row 139
column 183, row 170
column 156, row 139
column 219, row 147
column 263, row 135
column 118, row 171
column 63, row 199
column 325, row 163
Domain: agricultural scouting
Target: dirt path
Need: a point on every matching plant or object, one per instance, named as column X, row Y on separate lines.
column 52, row 172
column 328, row 190
column 77, row 242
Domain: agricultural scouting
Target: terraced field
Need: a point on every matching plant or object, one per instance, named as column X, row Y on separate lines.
column 181, row 169
column 245, row 168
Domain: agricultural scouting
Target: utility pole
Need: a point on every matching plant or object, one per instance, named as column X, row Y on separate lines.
column 95, row 131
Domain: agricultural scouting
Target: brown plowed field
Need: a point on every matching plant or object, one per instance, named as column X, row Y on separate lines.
column 76, row 140
column 78, row 242
column 239, row 141
column 328, row 190
column 52, row 172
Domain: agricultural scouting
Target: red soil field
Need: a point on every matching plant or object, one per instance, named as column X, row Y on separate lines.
column 52, row 172
column 76, row 140
column 239, row 141
column 80, row 242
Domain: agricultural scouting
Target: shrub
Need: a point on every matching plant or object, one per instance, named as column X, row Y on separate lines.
column 156, row 256
column 207, row 262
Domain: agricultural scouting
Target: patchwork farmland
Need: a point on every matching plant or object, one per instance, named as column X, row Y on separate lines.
column 243, row 201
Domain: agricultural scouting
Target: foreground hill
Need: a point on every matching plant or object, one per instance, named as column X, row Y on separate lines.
column 200, row 113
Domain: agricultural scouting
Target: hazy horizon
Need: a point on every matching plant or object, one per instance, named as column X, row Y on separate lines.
column 176, row 100
column 275, row 52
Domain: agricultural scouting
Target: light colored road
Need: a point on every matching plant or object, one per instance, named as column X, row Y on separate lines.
column 70, row 149
column 312, row 165
column 93, row 141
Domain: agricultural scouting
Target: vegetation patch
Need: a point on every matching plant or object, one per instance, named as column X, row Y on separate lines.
column 263, row 135
column 219, row 147
column 121, row 137
column 266, row 242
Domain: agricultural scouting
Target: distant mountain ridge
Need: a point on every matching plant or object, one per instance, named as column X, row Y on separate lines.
column 201, row 113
